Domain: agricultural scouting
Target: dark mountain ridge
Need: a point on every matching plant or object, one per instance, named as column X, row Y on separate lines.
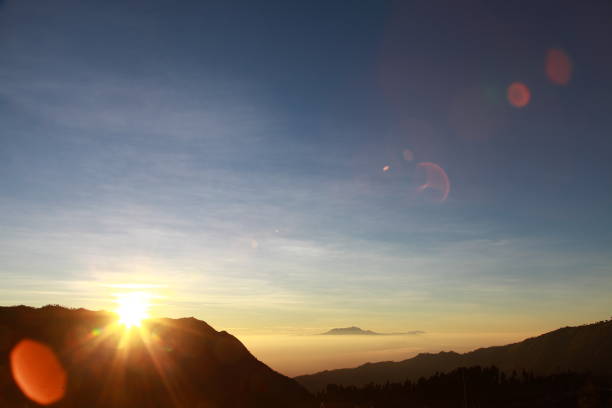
column 586, row 348
column 482, row 387
column 164, row 363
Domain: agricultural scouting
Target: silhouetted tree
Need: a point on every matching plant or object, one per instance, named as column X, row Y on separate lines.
column 477, row 387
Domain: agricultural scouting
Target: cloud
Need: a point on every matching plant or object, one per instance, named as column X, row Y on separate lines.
column 98, row 104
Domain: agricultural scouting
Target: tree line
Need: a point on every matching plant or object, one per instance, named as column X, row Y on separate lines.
column 476, row 387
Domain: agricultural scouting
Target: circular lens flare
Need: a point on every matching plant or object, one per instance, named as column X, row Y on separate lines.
column 132, row 308
column 38, row 372
column 435, row 179
column 518, row 94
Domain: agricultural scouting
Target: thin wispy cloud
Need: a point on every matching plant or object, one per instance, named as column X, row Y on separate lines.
column 244, row 178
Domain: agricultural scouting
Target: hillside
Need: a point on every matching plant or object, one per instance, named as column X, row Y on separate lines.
column 583, row 349
column 172, row 363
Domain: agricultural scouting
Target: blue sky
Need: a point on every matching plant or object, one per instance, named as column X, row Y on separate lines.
column 229, row 158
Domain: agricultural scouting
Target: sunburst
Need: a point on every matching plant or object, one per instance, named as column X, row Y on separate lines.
column 132, row 308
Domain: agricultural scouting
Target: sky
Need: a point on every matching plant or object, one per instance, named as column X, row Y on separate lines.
column 283, row 168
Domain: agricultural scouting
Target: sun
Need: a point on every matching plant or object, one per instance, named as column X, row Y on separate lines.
column 132, row 308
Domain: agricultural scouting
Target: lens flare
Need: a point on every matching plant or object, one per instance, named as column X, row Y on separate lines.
column 38, row 372
column 558, row 67
column 475, row 113
column 132, row 308
column 518, row 94
column 386, row 168
column 435, row 179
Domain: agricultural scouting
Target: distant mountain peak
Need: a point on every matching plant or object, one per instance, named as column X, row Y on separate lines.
column 353, row 330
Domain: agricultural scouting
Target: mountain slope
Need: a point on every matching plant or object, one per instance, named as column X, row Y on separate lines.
column 583, row 348
column 167, row 363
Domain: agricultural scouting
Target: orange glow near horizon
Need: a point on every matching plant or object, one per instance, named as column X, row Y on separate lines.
column 38, row 372
column 132, row 308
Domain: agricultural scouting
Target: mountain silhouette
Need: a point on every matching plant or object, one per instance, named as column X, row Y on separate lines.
column 348, row 331
column 477, row 387
column 582, row 349
column 92, row 362
column 353, row 330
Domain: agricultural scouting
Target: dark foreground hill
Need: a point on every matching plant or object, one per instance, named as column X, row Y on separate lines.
column 165, row 363
column 476, row 387
column 585, row 348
